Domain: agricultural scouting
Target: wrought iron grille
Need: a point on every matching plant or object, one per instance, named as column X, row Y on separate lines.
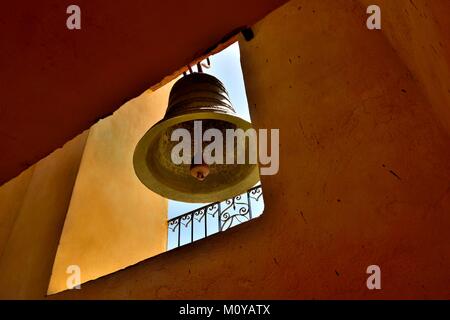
column 215, row 217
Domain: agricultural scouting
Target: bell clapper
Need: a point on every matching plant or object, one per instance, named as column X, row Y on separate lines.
column 200, row 171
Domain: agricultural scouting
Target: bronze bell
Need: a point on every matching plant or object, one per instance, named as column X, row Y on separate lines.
column 197, row 96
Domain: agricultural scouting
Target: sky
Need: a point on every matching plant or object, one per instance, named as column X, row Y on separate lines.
column 226, row 66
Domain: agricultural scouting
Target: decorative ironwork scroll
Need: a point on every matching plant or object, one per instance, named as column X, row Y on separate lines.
column 223, row 215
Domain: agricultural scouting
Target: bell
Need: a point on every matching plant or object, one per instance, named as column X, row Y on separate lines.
column 194, row 97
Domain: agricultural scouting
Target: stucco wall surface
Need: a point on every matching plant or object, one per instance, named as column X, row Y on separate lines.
column 113, row 220
column 33, row 207
column 364, row 174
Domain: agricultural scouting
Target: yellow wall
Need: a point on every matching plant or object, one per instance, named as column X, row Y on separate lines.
column 11, row 198
column 113, row 220
column 364, row 175
column 33, row 207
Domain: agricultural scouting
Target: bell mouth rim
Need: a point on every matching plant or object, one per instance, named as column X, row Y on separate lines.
column 155, row 184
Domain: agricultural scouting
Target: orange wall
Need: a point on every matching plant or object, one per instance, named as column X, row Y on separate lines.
column 11, row 198
column 33, row 207
column 418, row 31
column 364, row 175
